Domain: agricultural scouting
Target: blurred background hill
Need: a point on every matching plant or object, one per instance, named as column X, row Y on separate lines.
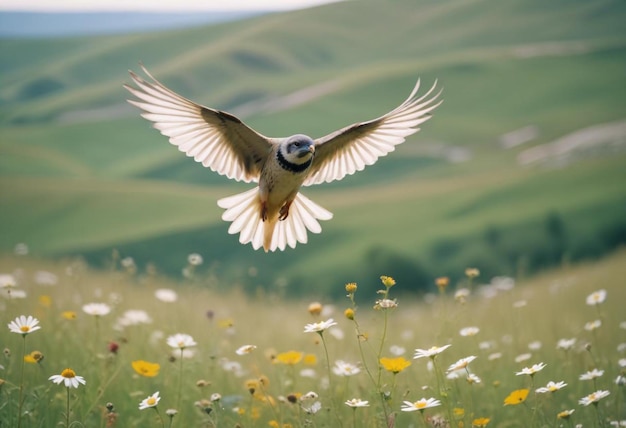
column 523, row 167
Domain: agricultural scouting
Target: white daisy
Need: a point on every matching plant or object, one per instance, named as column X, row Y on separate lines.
column 420, row 405
column 313, row 408
column 195, row 259
column 386, row 304
column 566, row 344
column 24, row 325
column 15, row 293
column 591, row 374
column 69, row 377
column 397, row 350
column 357, row 402
column 472, row 378
column 181, row 341
column 594, row 397
column 551, row 387
column 592, row 325
column 133, row 317
column 596, row 297
column 319, row 327
column 461, row 364
column 343, row 368
column 461, row 294
column 309, row 373
column 7, row 280
column 97, row 309
column 531, row 370
column 245, row 349
column 311, row 395
column 151, row 401
column 469, row 331
column 166, row 295
column 430, row 353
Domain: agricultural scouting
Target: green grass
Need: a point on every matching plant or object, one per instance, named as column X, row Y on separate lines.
column 91, row 185
column 543, row 311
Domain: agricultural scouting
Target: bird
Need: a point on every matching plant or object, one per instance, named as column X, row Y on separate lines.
column 274, row 214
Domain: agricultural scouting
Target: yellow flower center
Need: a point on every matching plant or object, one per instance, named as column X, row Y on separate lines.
column 68, row 373
column 151, row 401
column 420, row 404
column 552, row 388
column 24, row 329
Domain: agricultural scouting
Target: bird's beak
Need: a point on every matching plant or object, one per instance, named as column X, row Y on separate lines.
column 312, row 148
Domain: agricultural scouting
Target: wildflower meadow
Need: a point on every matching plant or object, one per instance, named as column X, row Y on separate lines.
column 130, row 348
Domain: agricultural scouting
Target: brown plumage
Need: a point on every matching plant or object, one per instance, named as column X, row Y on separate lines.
column 275, row 214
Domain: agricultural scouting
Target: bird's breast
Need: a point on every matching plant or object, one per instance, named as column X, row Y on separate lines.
column 279, row 183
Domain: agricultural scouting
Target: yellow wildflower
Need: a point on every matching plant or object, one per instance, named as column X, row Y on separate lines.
column 516, row 397
column 394, row 365
column 226, row 323
column 45, row 301
column 442, row 282
column 28, row 358
column 69, row 315
column 388, row 281
column 315, row 308
column 310, row 359
column 144, row 368
column 480, row 422
column 289, row 358
column 252, row 385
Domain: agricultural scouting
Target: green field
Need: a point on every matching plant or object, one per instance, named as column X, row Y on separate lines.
column 82, row 173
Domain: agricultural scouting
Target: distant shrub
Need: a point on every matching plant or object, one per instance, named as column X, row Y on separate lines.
column 39, row 88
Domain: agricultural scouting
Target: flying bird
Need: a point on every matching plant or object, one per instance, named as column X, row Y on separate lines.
column 274, row 214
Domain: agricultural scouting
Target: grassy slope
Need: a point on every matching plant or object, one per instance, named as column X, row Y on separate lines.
column 112, row 179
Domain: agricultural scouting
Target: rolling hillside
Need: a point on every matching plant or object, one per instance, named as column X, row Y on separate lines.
column 81, row 172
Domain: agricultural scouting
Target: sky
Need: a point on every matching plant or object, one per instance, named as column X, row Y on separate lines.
column 154, row 5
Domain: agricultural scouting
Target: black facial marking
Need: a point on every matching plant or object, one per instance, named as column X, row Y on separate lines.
column 290, row 166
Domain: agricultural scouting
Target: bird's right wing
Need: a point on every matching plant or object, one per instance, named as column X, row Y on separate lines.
column 219, row 140
column 352, row 148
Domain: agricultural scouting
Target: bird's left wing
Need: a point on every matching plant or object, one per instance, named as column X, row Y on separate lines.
column 352, row 148
column 217, row 139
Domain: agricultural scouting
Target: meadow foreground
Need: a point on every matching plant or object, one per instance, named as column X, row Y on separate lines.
column 132, row 349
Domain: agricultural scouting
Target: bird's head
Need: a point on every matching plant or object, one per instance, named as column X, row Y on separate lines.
column 298, row 149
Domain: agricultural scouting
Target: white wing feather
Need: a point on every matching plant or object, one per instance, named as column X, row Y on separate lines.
column 354, row 147
column 218, row 140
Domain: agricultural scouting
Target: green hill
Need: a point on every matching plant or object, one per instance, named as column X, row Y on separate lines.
column 81, row 172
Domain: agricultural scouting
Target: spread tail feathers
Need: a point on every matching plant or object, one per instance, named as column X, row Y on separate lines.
column 243, row 210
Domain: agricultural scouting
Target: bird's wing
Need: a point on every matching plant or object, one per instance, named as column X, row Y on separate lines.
column 352, row 148
column 217, row 139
